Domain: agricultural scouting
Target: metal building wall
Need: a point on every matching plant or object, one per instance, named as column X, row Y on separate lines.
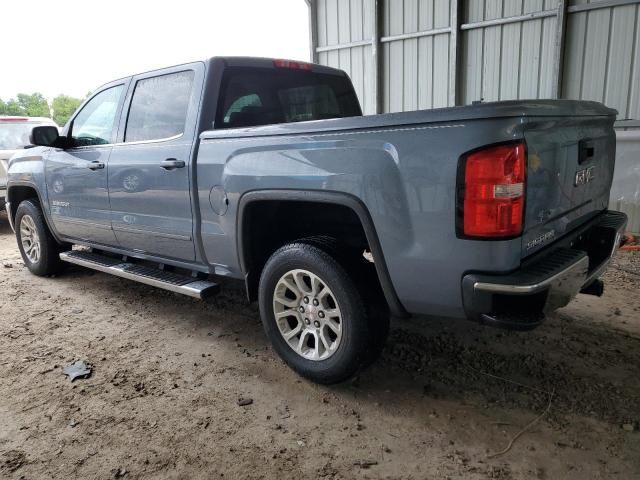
column 602, row 59
column 414, row 54
column 349, row 23
column 510, row 60
column 416, row 70
column 418, row 54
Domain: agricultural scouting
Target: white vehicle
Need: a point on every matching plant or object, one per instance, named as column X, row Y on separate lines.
column 14, row 136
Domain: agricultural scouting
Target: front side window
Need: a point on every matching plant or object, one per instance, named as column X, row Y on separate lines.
column 159, row 107
column 94, row 124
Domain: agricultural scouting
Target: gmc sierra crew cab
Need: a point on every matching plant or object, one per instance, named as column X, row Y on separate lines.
column 265, row 171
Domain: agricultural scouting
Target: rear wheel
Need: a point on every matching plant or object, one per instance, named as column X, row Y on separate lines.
column 363, row 273
column 313, row 313
column 37, row 246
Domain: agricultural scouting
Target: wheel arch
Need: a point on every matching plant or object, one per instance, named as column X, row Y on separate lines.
column 350, row 202
column 17, row 193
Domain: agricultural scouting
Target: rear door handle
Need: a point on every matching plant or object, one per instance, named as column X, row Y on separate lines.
column 172, row 164
column 95, row 165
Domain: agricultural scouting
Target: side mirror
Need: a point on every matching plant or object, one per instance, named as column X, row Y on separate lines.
column 44, row 136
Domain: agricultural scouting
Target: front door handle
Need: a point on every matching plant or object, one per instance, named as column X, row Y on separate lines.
column 95, row 165
column 172, row 164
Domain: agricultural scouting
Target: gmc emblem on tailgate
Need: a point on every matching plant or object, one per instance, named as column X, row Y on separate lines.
column 585, row 176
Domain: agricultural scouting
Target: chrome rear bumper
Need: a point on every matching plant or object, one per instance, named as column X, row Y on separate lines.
column 549, row 281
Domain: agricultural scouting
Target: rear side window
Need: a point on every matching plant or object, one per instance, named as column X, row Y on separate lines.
column 262, row 96
column 159, row 107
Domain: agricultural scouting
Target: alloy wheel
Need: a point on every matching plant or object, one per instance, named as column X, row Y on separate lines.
column 307, row 315
column 29, row 238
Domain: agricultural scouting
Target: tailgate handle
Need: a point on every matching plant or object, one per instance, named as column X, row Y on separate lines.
column 585, row 151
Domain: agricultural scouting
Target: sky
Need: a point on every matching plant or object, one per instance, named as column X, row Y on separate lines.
column 72, row 47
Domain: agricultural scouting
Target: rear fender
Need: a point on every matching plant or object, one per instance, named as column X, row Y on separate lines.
column 321, row 197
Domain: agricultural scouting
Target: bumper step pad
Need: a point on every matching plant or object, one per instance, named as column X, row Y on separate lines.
column 155, row 277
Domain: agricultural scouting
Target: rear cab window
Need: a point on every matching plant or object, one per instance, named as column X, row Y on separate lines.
column 253, row 96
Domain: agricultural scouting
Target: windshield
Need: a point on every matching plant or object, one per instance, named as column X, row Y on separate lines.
column 14, row 136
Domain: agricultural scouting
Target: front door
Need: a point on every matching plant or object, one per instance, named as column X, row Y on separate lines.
column 149, row 168
column 76, row 178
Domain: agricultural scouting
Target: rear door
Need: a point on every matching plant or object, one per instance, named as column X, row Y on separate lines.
column 76, row 178
column 149, row 169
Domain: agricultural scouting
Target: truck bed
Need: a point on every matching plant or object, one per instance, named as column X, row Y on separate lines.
column 403, row 168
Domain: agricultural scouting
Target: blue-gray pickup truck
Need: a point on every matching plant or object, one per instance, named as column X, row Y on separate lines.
column 264, row 172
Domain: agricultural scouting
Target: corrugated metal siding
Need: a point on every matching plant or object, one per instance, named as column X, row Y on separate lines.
column 348, row 21
column 497, row 62
column 415, row 70
column 510, row 61
column 602, row 57
column 625, row 191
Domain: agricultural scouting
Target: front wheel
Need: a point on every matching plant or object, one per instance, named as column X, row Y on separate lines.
column 313, row 313
column 39, row 250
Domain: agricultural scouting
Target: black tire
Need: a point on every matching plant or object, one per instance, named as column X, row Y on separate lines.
column 364, row 274
column 48, row 262
column 351, row 352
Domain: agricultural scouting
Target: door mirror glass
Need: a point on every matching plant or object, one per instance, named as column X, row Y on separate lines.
column 93, row 125
column 44, row 135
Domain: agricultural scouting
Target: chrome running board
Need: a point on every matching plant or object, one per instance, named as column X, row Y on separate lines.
column 155, row 277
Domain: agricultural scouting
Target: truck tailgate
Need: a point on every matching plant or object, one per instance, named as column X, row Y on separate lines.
column 570, row 168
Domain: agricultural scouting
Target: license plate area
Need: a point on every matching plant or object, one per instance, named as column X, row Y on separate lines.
column 599, row 243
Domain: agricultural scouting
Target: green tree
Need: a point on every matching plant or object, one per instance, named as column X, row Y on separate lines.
column 12, row 107
column 34, row 105
column 63, row 107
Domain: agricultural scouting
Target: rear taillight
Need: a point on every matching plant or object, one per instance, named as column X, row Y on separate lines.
column 291, row 64
column 492, row 191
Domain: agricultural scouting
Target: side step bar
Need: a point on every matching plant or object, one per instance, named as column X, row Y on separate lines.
column 155, row 277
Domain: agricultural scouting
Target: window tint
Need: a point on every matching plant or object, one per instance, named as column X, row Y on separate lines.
column 261, row 96
column 159, row 107
column 251, row 100
column 94, row 124
column 309, row 103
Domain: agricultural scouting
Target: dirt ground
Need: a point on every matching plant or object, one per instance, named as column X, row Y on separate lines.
column 169, row 371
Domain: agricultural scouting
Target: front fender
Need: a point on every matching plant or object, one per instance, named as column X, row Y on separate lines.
column 26, row 169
